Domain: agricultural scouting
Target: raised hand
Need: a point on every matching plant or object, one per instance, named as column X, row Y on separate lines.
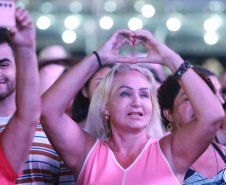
column 157, row 51
column 23, row 34
column 109, row 51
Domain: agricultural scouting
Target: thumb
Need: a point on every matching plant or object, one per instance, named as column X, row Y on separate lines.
column 124, row 60
column 141, row 60
column 13, row 30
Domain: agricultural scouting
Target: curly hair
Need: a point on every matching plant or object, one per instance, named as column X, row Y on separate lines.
column 169, row 90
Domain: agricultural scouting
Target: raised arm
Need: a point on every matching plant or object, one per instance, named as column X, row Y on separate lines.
column 18, row 135
column 184, row 146
column 71, row 142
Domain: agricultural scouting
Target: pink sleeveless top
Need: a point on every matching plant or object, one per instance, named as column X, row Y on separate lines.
column 150, row 167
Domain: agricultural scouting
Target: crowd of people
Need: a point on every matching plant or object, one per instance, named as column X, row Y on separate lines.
column 107, row 119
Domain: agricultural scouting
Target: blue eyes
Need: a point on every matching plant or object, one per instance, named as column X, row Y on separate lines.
column 123, row 94
column 144, row 95
column 126, row 94
column 186, row 99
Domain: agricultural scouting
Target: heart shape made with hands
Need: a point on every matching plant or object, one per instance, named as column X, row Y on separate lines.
column 157, row 52
column 134, row 55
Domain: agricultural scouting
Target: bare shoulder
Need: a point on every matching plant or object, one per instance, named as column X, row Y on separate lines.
column 165, row 145
column 89, row 145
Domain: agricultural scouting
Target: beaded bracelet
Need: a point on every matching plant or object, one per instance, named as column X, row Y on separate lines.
column 98, row 58
column 181, row 70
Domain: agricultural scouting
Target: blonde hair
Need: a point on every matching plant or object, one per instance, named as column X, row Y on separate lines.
column 96, row 124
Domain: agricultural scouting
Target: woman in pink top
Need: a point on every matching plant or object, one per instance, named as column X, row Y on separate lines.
column 124, row 116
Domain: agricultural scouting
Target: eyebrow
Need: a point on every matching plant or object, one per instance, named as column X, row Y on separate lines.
column 99, row 78
column 4, row 60
column 141, row 89
column 127, row 87
column 144, row 88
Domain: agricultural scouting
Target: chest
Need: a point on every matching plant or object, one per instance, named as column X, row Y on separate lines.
column 125, row 160
column 104, row 166
column 209, row 164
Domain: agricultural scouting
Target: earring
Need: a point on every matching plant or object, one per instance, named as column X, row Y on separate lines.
column 107, row 118
column 169, row 127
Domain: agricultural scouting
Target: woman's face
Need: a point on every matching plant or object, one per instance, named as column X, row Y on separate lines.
column 182, row 112
column 129, row 105
column 95, row 81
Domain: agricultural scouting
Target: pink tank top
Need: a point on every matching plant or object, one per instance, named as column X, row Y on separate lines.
column 150, row 167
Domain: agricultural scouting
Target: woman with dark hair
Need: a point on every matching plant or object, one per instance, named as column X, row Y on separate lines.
column 80, row 106
column 122, row 141
column 210, row 167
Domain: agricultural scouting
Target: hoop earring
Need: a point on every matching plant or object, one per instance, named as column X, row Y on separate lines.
column 169, row 127
column 107, row 118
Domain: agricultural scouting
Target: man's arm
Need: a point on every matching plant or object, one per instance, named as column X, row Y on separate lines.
column 19, row 133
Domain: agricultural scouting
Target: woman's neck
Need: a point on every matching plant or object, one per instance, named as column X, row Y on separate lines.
column 127, row 143
column 127, row 149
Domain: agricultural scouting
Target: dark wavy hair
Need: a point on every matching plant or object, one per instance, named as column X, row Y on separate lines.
column 4, row 38
column 170, row 88
column 80, row 106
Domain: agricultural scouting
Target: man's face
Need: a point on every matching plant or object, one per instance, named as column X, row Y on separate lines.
column 7, row 71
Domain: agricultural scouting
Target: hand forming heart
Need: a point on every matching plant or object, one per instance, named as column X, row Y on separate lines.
column 157, row 51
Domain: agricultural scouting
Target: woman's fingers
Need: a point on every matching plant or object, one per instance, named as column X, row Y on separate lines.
column 122, row 59
column 146, row 38
column 141, row 60
column 21, row 14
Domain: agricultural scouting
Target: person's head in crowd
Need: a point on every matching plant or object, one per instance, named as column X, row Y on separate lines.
column 52, row 52
column 80, row 106
column 54, row 61
column 49, row 69
column 213, row 78
column 168, row 94
column 8, row 66
column 101, row 128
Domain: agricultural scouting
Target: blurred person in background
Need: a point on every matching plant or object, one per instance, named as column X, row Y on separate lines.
column 54, row 62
